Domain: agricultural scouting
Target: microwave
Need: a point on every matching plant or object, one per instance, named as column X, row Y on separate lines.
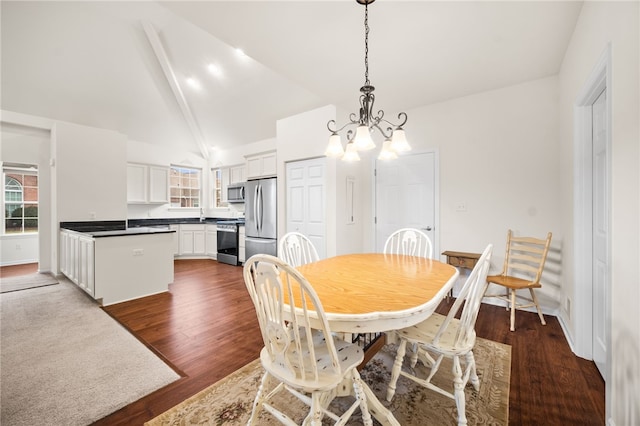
column 235, row 193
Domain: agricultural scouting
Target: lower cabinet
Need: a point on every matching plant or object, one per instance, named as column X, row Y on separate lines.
column 212, row 241
column 77, row 260
column 192, row 240
column 241, row 251
column 117, row 268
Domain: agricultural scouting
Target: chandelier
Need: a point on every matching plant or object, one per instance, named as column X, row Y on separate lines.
column 366, row 122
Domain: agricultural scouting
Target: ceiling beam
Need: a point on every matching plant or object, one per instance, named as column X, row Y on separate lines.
column 165, row 64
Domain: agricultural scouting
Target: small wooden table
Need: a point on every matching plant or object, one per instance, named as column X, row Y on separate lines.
column 461, row 259
column 369, row 293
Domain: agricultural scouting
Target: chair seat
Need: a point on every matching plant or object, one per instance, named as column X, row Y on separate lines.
column 512, row 282
column 349, row 354
column 425, row 332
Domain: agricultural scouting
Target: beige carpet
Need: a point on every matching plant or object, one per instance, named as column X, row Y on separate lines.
column 24, row 282
column 229, row 401
column 67, row 362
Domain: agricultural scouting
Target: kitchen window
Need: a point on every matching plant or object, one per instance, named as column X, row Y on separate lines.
column 217, row 188
column 185, row 184
column 20, row 200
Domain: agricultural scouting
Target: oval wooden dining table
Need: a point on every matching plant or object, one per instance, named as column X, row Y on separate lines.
column 373, row 292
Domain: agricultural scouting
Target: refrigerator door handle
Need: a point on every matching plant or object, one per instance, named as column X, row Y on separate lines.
column 260, row 207
column 255, row 207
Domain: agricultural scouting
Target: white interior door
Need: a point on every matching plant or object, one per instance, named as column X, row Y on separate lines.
column 406, row 196
column 600, row 234
column 306, row 183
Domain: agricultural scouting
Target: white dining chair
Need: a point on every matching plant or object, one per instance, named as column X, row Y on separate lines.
column 297, row 358
column 296, row 249
column 446, row 336
column 409, row 241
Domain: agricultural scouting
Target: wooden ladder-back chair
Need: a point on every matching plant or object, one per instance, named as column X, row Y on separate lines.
column 523, row 265
column 296, row 249
column 304, row 361
column 409, row 241
column 446, row 336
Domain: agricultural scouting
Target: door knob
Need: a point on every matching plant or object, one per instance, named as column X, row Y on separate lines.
column 428, row 228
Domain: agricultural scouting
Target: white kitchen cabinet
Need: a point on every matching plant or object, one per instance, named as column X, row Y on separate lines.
column 147, row 184
column 212, row 241
column 176, row 239
column 77, row 260
column 261, row 165
column 192, row 240
column 241, row 250
column 237, row 174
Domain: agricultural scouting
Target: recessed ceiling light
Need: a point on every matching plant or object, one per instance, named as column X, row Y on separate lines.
column 194, row 83
column 215, row 70
column 241, row 53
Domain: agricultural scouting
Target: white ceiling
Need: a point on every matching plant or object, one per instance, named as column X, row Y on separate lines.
column 91, row 62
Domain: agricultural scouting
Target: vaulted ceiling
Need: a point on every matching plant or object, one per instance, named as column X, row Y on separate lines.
column 93, row 63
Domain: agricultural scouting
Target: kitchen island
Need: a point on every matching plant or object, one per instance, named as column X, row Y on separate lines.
column 113, row 263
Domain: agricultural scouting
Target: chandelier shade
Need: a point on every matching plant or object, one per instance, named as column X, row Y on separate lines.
column 366, row 123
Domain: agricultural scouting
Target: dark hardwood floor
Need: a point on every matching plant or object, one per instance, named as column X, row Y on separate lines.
column 205, row 327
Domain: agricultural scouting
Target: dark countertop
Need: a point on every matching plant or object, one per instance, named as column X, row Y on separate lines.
column 118, row 228
column 132, row 223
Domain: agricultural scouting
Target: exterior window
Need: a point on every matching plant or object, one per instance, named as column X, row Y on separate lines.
column 20, row 201
column 217, row 188
column 184, row 186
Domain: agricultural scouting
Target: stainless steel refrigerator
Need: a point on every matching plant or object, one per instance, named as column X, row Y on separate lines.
column 260, row 217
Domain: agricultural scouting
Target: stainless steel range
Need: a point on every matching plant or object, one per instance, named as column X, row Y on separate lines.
column 228, row 242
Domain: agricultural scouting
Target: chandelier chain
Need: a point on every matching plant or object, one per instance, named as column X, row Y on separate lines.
column 366, row 44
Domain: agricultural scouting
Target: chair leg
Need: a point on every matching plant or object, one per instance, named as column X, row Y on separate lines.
column 359, row 391
column 458, row 386
column 513, row 310
column 257, row 403
column 473, row 374
column 315, row 414
column 397, row 366
column 535, row 300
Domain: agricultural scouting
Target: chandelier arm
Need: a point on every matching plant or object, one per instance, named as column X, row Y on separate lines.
column 336, row 130
column 382, row 132
column 402, row 116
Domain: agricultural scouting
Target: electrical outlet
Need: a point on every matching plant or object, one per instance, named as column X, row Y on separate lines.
column 461, row 206
column 18, row 247
column 138, row 252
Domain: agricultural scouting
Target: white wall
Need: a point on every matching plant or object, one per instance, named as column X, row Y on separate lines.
column 305, row 136
column 498, row 154
column 617, row 23
column 29, row 145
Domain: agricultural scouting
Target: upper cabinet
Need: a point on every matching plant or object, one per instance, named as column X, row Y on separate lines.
column 261, row 165
column 147, row 184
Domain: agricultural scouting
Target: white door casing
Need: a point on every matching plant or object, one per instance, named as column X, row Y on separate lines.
column 306, row 200
column 600, row 235
column 406, row 196
column 587, row 176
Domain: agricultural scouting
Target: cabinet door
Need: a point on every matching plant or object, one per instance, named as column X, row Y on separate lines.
column 176, row 239
column 158, row 184
column 236, row 174
column 186, row 242
column 241, row 244
column 269, row 165
column 254, row 167
column 136, row 183
column 199, row 245
column 212, row 241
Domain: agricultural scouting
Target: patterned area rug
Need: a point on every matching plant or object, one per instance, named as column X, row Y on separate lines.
column 229, row 401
